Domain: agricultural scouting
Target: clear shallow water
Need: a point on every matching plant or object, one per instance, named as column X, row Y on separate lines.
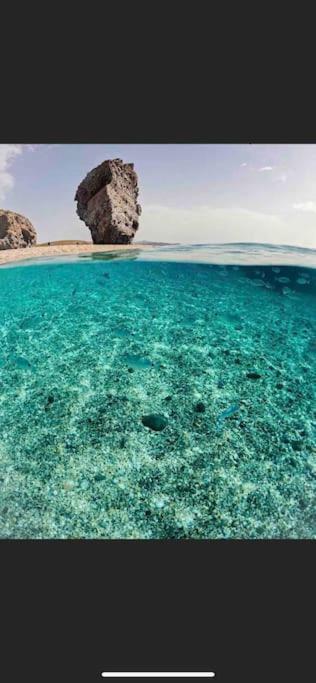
column 223, row 357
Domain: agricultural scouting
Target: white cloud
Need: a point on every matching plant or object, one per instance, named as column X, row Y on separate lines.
column 305, row 206
column 265, row 168
column 35, row 147
column 209, row 224
column 31, row 148
column 244, row 164
column 7, row 155
column 281, row 178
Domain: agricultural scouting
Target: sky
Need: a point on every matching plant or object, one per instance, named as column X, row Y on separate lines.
column 189, row 193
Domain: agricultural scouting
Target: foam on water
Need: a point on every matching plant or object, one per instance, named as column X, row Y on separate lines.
column 103, row 362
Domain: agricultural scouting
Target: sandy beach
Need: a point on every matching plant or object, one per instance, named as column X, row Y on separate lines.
column 11, row 255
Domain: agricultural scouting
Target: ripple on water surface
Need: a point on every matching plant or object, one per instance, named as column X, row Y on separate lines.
column 160, row 396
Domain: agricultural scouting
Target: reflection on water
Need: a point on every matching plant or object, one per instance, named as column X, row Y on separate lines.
column 235, row 253
column 125, row 254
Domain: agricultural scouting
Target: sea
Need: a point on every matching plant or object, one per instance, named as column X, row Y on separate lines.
column 159, row 393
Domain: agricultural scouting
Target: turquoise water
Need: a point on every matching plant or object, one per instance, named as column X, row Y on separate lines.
column 159, row 394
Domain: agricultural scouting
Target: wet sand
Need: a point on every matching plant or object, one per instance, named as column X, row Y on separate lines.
column 12, row 255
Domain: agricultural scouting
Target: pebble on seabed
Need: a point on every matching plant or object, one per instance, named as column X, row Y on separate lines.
column 200, row 407
column 155, row 422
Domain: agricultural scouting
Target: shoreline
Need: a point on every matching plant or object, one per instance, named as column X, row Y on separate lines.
column 8, row 256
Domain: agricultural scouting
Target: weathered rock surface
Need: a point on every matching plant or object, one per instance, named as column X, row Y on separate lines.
column 16, row 231
column 107, row 202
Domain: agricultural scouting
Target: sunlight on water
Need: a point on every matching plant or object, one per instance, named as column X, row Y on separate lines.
column 159, row 394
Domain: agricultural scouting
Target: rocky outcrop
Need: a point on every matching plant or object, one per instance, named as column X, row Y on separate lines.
column 107, row 202
column 16, row 231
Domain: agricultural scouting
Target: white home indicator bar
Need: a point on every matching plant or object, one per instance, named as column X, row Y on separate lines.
column 158, row 674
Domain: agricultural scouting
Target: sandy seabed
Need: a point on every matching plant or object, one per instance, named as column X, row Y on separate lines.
column 157, row 400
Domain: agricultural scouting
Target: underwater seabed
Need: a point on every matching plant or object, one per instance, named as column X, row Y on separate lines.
column 157, row 399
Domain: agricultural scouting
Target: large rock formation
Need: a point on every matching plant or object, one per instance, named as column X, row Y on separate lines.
column 16, row 231
column 107, row 202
